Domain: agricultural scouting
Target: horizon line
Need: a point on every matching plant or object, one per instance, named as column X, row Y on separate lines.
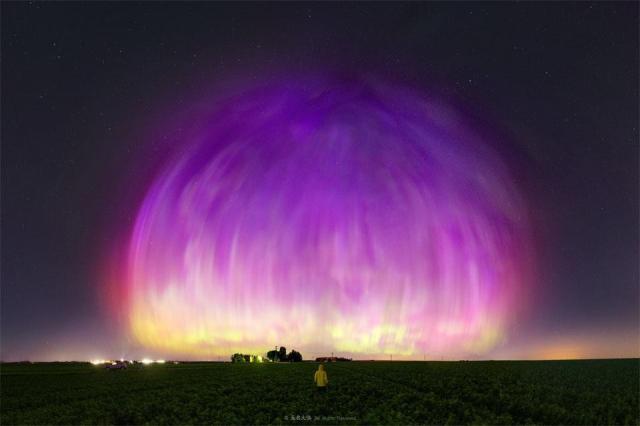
column 352, row 360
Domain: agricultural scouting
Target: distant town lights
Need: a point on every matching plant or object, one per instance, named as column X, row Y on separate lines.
column 145, row 361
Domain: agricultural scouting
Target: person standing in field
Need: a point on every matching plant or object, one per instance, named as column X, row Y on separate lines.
column 321, row 379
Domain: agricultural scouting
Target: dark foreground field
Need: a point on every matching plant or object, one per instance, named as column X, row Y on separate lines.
column 551, row 392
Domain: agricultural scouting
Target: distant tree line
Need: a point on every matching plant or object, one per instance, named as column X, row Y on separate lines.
column 282, row 356
column 274, row 356
column 332, row 359
column 244, row 358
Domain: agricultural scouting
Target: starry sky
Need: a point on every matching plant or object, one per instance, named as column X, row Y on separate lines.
column 103, row 106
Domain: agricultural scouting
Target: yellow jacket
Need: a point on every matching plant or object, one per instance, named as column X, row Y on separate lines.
column 320, row 377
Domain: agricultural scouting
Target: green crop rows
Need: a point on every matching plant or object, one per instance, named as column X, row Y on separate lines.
column 551, row 392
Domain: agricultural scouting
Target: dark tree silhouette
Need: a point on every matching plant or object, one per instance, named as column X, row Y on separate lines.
column 295, row 356
column 273, row 355
column 282, row 354
column 237, row 358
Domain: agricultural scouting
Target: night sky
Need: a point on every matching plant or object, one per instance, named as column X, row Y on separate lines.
column 98, row 100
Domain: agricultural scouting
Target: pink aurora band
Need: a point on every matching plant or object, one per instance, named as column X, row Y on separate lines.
column 355, row 217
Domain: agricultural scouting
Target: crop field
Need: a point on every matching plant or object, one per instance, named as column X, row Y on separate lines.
column 492, row 392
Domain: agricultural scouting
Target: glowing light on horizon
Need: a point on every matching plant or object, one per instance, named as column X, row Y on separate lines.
column 347, row 216
column 146, row 361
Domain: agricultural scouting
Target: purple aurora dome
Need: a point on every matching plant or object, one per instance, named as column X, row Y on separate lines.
column 356, row 217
